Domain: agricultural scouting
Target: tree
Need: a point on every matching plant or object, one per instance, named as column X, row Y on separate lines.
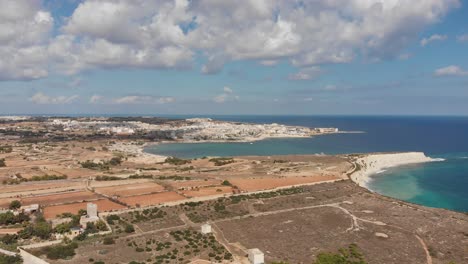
column 42, row 230
column 15, row 205
column 129, row 228
column 101, row 226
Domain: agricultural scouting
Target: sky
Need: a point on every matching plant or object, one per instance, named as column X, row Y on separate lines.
column 259, row 57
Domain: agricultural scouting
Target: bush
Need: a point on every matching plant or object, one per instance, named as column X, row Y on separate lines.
column 60, row 251
column 108, row 241
column 4, row 259
column 2, row 163
column 129, row 228
column 15, row 205
column 176, row 161
column 351, row 255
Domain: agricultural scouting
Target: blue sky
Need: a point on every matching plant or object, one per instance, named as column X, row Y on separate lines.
column 252, row 57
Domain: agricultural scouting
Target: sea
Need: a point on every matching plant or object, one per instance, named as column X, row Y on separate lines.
column 442, row 184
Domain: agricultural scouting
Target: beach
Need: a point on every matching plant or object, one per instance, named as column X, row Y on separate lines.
column 372, row 164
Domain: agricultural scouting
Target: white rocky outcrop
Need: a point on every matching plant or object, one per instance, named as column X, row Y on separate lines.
column 375, row 163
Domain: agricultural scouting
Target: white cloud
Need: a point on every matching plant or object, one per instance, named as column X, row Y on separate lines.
column 220, row 98
column 145, row 99
column 40, row 98
column 306, row 73
column 227, row 90
column 463, row 38
column 452, row 70
column 228, row 94
column 95, row 99
column 154, row 34
column 433, row 38
column 24, row 32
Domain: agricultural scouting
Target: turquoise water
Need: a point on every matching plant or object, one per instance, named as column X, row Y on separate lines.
column 438, row 184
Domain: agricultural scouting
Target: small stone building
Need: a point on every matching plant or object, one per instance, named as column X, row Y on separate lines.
column 206, row 229
column 256, row 256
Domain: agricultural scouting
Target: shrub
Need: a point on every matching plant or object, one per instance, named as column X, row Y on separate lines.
column 176, row 161
column 60, row 251
column 4, row 259
column 108, row 241
column 129, row 228
column 2, row 163
column 15, row 205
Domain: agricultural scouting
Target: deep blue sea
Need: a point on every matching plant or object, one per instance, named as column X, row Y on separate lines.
column 439, row 184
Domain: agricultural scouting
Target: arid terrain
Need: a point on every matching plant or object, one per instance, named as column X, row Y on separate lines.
column 292, row 208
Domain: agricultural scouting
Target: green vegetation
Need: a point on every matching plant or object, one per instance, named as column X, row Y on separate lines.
column 129, row 228
column 174, row 178
column 226, row 183
column 108, row 178
column 9, row 218
column 222, row 161
column 147, row 214
column 14, row 205
column 96, row 227
column 265, row 195
column 108, row 241
column 142, row 176
column 4, row 259
column 350, row 255
column 176, row 161
column 9, row 239
column 59, row 252
column 46, row 177
column 111, row 218
column 105, row 165
column 40, row 229
column 6, row 149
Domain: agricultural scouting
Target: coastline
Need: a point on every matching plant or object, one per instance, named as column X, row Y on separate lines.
column 371, row 164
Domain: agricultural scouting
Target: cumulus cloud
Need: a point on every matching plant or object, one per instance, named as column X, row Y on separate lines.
column 143, row 99
column 433, row 38
column 169, row 34
column 24, row 32
column 451, row 70
column 306, row 73
column 40, row 98
column 228, row 94
column 95, row 99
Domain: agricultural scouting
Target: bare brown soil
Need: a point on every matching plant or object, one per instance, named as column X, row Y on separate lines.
column 208, row 191
column 61, row 198
column 130, row 189
column 103, row 206
column 152, row 199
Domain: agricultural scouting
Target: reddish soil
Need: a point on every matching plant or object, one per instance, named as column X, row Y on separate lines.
column 103, row 206
column 152, row 199
column 208, row 191
column 130, row 189
column 62, row 198
column 194, row 183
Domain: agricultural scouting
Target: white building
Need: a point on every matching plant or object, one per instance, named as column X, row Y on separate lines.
column 29, row 209
column 91, row 215
column 206, row 229
column 256, row 256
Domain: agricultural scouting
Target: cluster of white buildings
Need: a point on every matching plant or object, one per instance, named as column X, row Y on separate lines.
column 196, row 129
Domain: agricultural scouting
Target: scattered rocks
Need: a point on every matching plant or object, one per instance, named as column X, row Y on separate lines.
column 381, row 235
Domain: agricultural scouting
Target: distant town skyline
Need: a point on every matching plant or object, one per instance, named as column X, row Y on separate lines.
column 170, row 57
